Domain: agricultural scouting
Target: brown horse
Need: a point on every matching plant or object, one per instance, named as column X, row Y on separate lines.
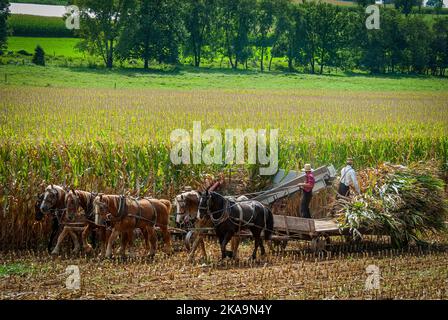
column 187, row 205
column 53, row 203
column 126, row 214
column 74, row 200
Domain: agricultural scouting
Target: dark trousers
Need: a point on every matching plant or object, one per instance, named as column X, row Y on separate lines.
column 344, row 190
column 305, row 204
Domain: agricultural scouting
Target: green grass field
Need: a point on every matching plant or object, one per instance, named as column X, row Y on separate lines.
column 191, row 78
column 75, row 73
column 52, row 46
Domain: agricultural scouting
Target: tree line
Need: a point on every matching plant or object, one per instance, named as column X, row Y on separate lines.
column 314, row 37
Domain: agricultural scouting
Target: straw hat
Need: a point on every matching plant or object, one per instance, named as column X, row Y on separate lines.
column 307, row 168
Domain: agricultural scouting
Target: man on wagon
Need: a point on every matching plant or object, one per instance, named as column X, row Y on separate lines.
column 307, row 191
column 348, row 177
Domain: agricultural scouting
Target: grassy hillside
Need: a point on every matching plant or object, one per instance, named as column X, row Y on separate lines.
column 191, row 78
column 52, row 46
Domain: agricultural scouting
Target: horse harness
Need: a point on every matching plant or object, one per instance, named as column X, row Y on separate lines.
column 88, row 210
column 239, row 222
column 123, row 211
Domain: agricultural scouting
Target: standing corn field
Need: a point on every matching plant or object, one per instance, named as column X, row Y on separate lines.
column 117, row 141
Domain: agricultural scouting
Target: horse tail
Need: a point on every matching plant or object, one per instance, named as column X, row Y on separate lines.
column 269, row 225
column 167, row 204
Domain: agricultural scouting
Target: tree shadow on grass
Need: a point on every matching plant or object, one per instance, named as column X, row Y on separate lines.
column 182, row 70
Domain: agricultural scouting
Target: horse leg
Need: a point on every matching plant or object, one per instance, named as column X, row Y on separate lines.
column 257, row 241
column 193, row 249
column 235, row 243
column 87, row 247
column 104, row 236
column 153, row 241
column 202, row 243
column 93, row 236
column 263, row 252
column 225, row 239
column 124, row 241
column 60, row 239
column 54, row 232
column 110, row 242
column 166, row 239
column 75, row 240
column 198, row 241
column 146, row 238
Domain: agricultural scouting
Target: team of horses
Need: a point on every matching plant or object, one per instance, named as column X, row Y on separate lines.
column 103, row 219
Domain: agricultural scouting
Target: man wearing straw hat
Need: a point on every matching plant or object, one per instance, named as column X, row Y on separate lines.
column 348, row 177
column 307, row 191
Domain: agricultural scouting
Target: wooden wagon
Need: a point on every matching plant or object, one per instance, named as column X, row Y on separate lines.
column 318, row 231
column 287, row 227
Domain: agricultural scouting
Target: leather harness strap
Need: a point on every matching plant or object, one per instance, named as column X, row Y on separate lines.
column 139, row 216
column 153, row 209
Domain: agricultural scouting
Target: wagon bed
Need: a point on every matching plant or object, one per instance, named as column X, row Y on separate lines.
column 287, row 227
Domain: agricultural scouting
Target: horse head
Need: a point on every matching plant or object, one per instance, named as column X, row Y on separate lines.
column 209, row 203
column 53, row 198
column 187, row 204
column 101, row 209
column 72, row 203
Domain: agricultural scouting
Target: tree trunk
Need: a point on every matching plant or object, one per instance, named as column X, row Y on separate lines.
column 322, row 62
column 270, row 63
column 262, row 58
column 110, row 55
column 146, row 54
column 198, row 61
column 197, row 54
column 231, row 62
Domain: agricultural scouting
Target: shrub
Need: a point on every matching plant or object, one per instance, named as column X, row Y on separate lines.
column 39, row 56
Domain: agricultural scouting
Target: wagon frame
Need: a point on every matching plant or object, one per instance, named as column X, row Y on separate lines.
column 287, row 227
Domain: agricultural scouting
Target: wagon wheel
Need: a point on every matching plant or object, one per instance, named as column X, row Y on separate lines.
column 189, row 239
column 352, row 240
column 319, row 243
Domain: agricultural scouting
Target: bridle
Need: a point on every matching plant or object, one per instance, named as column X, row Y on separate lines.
column 88, row 205
column 57, row 213
column 223, row 217
column 54, row 193
column 75, row 207
column 182, row 211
